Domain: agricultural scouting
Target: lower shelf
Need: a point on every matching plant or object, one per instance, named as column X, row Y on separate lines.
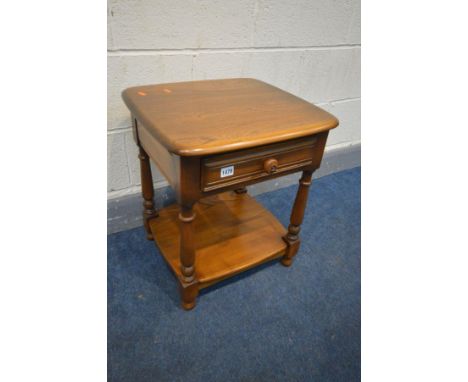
column 232, row 233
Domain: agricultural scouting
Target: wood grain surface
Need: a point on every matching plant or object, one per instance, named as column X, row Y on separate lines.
column 217, row 116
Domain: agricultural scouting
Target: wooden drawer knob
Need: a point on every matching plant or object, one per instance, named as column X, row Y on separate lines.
column 270, row 165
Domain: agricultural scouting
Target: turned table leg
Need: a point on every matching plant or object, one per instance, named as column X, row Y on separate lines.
column 188, row 282
column 297, row 215
column 147, row 190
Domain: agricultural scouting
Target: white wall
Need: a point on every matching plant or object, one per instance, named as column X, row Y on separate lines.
column 309, row 48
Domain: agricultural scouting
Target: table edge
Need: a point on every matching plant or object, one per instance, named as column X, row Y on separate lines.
column 180, row 150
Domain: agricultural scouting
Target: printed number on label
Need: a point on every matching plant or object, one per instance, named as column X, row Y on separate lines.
column 227, row 171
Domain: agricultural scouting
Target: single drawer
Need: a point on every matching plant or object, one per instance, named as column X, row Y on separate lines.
column 224, row 170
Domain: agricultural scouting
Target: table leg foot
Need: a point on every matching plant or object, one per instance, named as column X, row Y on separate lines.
column 286, row 261
column 188, row 295
column 293, row 247
column 188, row 305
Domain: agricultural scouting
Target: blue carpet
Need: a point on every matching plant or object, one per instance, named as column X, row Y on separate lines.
column 270, row 324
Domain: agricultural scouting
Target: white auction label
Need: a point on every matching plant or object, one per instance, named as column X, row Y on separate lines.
column 227, row 171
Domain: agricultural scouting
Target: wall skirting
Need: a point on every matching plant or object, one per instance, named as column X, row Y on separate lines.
column 125, row 212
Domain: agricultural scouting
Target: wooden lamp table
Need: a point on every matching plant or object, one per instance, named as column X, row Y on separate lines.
column 211, row 139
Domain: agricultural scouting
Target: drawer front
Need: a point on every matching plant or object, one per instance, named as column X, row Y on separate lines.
column 224, row 170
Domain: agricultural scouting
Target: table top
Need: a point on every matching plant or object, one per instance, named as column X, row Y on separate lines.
column 216, row 116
